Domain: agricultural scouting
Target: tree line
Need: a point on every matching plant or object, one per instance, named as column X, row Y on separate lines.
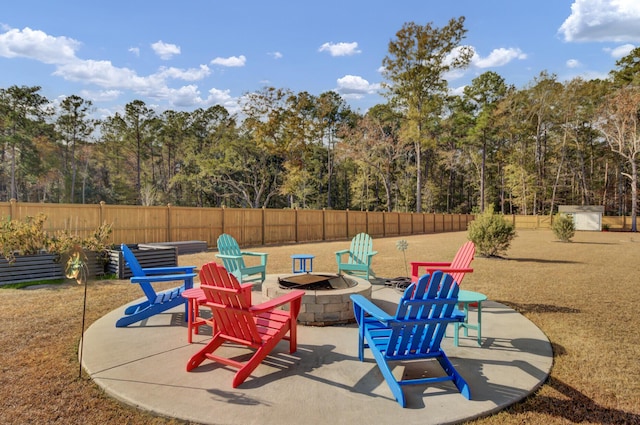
column 521, row 150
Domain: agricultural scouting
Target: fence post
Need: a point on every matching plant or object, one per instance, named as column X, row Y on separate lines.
column 101, row 212
column 324, row 224
column 169, row 239
column 296, row 224
column 223, row 214
column 347, row 223
column 12, row 208
column 366, row 221
column 384, row 224
column 264, row 226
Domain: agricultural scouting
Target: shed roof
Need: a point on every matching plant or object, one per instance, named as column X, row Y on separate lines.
column 581, row 208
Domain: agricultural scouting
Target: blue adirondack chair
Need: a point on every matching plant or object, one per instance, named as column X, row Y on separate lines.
column 358, row 256
column 155, row 302
column 233, row 260
column 415, row 332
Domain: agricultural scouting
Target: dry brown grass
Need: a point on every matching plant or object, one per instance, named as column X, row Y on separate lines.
column 583, row 295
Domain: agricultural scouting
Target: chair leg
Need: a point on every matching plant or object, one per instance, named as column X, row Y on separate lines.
column 293, row 337
column 394, row 386
column 458, row 380
column 201, row 355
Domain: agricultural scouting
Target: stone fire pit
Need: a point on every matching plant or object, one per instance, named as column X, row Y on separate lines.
column 320, row 307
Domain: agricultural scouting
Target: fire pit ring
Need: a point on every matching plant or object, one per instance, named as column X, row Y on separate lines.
column 321, row 306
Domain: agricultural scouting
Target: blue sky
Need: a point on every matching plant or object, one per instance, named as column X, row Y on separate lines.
column 196, row 53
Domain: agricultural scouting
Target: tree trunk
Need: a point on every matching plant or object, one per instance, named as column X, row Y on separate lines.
column 418, row 178
column 634, row 195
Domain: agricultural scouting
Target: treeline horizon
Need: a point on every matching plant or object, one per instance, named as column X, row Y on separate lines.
column 518, row 150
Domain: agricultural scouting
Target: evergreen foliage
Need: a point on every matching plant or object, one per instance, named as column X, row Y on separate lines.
column 563, row 227
column 524, row 150
column 491, row 233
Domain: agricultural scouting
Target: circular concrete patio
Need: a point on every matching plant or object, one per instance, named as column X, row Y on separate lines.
column 144, row 365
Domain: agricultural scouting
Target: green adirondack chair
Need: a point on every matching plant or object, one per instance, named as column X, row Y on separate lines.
column 233, row 259
column 357, row 259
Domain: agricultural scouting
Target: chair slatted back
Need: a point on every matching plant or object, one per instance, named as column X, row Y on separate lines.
column 227, row 245
column 423, row 313
column 137, row 271
column 132, row 261
column 230, row 306
column 462, row 260
column 361, row 247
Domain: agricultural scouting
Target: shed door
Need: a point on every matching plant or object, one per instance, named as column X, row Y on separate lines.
column 587, row 221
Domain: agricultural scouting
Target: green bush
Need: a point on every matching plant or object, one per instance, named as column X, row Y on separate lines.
column 491, row 233
column 29, row 237
column 563, row 227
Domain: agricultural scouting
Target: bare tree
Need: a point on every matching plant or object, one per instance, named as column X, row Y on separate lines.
column 620, row 125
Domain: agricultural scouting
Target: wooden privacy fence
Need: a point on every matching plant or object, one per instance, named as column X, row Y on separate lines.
column 250, row 227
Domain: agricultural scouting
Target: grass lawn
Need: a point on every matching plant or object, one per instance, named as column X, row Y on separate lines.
column 583, row 295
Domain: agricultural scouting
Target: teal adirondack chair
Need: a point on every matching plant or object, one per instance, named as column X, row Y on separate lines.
column 358, row 257
column 233, row 259
column 156, row 302
column 415, row 332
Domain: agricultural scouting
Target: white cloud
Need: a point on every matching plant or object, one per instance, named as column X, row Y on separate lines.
column 192, row 74
column 38, row 45
column 454, row 74
column 113, row 80
column 602, row 20
column 355, row 87
column 573, row 63
column 498, row 57
column 276, row 55
column 620, row 51
column 231, row 61
column 340, row 49
column 165, row 50
column 457, row 91
column 135, row 51
column 101, row 96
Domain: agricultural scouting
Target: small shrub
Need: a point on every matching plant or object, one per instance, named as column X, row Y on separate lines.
column 28, row 237
column 563, row 227
column 491, row 233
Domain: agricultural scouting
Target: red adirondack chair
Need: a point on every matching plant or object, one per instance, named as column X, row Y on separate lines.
column 457, row 268
column 259, row 327
column 197, row 299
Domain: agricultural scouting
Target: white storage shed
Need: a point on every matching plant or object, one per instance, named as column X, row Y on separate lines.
column 585, row 217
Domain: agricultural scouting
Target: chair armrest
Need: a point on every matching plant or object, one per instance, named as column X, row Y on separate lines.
column 277, row 302
column 169, row 270
column 416, row 264
column 372, row 253
column 429, row 269
column 458, row 315
column 370, row 308
column 255, row 254
column 229, row 256
column 340, row 253
column 262, row 255
column 162, row 278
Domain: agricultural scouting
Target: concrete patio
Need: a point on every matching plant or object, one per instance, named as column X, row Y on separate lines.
column 144, row 365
